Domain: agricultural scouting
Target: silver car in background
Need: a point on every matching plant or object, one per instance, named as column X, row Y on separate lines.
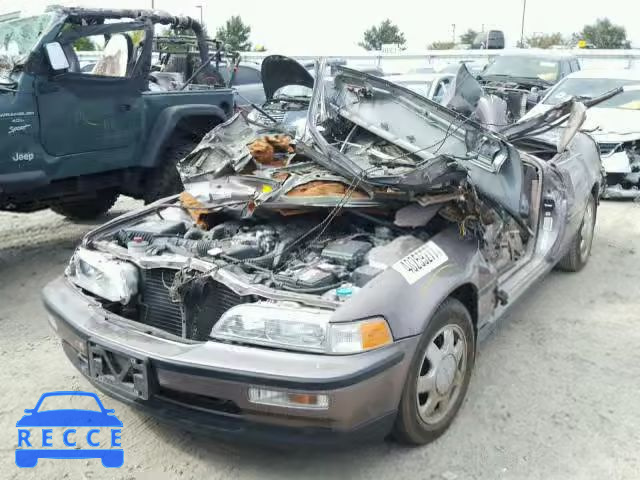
column 613, row 124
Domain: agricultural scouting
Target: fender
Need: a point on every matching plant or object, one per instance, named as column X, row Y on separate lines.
column 166, row 123
column 409, row 307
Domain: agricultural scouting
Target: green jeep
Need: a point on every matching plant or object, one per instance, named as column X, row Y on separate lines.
column 76, row 136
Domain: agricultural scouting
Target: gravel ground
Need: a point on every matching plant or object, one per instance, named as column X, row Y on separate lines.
column 555, row 393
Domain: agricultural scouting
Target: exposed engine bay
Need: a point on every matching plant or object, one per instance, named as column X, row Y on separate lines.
column 310, row 255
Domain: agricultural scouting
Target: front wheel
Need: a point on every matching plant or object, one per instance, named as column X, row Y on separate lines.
column 438, row 377
column 580, row 249
column 86, row 208
column 165, row 179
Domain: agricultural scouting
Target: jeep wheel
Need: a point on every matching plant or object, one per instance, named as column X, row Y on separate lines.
column 165, row 180
column 578, row 254
column 438, row 376
column 86, row 208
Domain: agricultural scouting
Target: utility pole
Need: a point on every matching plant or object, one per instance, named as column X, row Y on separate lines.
column 524, row 11
column 200, row 7
column 453, row 30
column 153, row 4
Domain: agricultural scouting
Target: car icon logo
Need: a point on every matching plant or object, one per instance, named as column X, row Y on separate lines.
column 36, row 431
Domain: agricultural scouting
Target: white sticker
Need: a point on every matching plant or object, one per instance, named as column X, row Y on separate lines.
column 420, row 262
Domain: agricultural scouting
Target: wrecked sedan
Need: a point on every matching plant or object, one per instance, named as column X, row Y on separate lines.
column 336, row 286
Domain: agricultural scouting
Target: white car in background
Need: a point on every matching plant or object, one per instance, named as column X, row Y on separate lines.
column 433, row 86
column 614, row 124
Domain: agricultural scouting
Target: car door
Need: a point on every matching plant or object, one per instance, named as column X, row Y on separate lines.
column 96, row 111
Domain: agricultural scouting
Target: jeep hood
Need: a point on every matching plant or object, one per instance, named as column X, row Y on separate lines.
column 279, row 71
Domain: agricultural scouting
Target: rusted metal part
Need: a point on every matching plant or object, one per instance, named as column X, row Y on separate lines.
column 321, row 189
column 196, row 209
column 272, row 150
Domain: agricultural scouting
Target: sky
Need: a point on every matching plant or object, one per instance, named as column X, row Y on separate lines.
column 334, row 27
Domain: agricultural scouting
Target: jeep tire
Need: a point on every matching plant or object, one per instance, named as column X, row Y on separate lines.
column 86, row 208
column 164, row 179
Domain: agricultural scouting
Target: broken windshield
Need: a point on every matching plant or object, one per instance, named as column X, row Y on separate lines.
column 524, row 66
column 19, row 36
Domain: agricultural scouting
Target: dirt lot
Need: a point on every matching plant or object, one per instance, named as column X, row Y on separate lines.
column 555, row 393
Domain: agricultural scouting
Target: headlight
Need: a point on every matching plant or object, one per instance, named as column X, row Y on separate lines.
column 298, row 328
column 103, row 275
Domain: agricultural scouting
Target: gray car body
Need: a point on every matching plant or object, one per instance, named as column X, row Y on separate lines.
column 364, row 388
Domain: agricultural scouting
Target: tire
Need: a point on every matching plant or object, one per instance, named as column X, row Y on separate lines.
column 165, row 180
column 580, row 249
column 86, row 208
column 423, row 417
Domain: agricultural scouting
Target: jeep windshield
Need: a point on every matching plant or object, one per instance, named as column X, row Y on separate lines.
column 18, row 37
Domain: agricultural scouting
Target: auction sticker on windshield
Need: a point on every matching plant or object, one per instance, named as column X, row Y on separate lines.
column 420, row 262
column 69, row 425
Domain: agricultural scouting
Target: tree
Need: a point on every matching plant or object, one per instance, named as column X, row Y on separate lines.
column 137, row 36
column 468, row 37
column 386, row 32
column 442, row 46
column 604, row 34
column 83, row 44
column 235, row 34
column 545, row 40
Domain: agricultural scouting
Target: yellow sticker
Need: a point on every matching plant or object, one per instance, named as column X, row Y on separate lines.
column 267, row 189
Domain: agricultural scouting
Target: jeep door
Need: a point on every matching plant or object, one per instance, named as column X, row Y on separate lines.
column 93, row 116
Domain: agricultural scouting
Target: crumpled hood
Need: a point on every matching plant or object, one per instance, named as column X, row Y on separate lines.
column 279, row 71
column 605, row 125
column 613, row 124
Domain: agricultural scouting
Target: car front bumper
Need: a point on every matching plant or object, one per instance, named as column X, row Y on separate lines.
column 204, row 386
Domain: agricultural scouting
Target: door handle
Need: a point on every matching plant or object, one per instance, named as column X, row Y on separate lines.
column 125, row 107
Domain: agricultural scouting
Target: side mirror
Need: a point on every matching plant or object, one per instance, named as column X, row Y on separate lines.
column 56, row 56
